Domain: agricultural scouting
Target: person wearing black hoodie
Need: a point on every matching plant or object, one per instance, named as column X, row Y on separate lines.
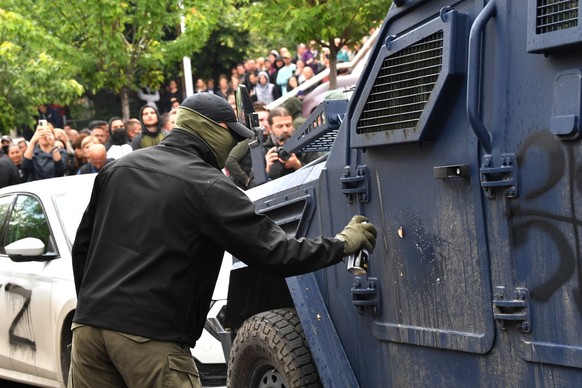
column 118, row 143
column 151, row 129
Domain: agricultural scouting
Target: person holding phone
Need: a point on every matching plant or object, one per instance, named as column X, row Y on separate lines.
column 42, row 158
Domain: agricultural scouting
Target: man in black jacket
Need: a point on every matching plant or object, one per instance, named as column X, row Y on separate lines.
column 9, row 174
column 144, row 293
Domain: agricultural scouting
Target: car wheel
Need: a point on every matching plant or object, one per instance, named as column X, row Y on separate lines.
column 270, row 350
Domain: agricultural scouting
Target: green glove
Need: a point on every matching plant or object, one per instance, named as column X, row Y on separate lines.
column 358, row 234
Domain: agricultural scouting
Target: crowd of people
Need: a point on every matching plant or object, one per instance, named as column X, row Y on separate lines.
column 53, row 152
column 268, row 78
column 56, row 149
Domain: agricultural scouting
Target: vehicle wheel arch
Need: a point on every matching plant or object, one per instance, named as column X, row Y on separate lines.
column 251, row 292
column 64, row 350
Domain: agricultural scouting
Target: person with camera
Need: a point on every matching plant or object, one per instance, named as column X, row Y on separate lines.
column 42, row 158
column 281, row 124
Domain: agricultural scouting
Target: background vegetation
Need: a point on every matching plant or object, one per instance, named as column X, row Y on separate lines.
column 93, row 55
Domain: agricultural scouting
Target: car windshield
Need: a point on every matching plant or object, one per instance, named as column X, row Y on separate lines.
column 71, row 206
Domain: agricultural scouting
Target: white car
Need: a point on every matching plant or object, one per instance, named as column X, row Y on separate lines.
column 38, row 223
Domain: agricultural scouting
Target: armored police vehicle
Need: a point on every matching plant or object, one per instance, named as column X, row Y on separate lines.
column 461, row 143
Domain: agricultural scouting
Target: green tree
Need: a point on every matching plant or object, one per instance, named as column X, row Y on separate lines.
column 331, row 23
column 227, row 46
column 123, row 45
column 30, row 73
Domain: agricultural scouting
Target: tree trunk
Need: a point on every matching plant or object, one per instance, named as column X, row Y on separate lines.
column 125, row 103
column 332, row 64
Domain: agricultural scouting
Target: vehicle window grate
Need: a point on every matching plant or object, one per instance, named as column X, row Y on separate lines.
column 554, row 15
column 323, row 143
column 403, row 87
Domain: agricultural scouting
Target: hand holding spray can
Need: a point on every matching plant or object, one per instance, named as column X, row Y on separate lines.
column 359, row 239
column 358, row 261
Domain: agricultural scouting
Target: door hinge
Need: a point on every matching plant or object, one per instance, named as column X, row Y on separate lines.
column 366, row 295
column 512, row 308
column 356, row 184
column 499, row 171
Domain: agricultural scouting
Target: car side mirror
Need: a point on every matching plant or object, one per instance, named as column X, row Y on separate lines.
column 27, row 249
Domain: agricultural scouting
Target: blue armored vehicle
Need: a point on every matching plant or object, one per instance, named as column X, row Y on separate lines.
column 461, row 143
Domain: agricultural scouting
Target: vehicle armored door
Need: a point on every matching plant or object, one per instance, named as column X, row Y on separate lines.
column 413, row 169
column 531, row 174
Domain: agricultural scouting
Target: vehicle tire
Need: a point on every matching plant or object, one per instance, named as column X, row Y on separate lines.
column 270, row 350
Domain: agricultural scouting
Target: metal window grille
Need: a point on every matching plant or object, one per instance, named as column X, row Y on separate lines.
column 554, row 15
column 403, row 87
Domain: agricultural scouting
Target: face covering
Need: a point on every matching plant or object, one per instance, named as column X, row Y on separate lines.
column 119, row 136
column 219, row 139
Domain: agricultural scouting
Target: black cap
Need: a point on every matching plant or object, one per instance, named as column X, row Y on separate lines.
column 217, row 109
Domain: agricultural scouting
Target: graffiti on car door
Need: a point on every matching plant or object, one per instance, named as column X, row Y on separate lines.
column 20, row 332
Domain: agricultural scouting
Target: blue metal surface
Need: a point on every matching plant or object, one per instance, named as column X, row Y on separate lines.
column 326, row 348
column 465, row 287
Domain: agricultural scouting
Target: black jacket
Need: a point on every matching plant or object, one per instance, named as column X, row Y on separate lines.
column 149, row 247
column 9, row 174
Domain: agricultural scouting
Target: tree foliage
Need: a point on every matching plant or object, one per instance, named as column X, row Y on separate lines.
column 54, row 50
column 30, row 73
column 126, row 43
column 330, row 23
column 227, row 45
column 121, row 45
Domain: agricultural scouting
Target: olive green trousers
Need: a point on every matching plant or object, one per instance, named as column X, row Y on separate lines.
column 104, row 358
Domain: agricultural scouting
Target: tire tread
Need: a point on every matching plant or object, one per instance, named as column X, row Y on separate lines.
column 281, row 333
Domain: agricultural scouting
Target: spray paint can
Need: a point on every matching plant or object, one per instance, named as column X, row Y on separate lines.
column 358, row 262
